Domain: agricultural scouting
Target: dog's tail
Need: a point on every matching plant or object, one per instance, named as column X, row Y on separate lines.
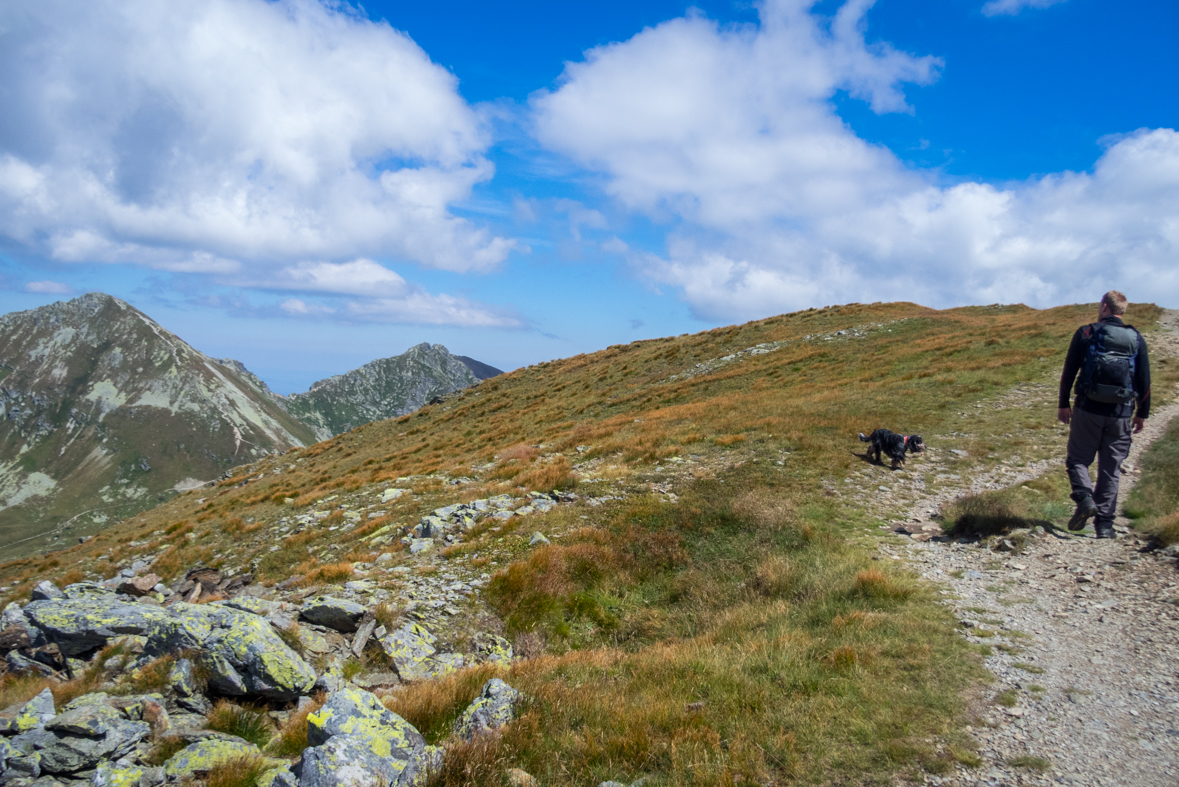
column 864, row 438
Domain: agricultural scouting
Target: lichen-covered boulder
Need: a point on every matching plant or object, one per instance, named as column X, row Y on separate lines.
column 281, row 776
column 492, row 648
column 493, row 708
column 17, row 761
column 411, row 649
column 204, row 755
column 349, row 761
column 352, row 711
column 245, row 655
column 78, row 625
column 335, row 613
column 29, row 715
column 122, row 773
column 88, row 733
column 182, row 678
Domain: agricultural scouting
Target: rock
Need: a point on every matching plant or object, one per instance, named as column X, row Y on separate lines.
column 78, row 625
column 207, row 578
column 390, row 495
column 493, row 708
column 140, row 586
column 29, row 715
column 17, row 761
column 355, row 740
column 611, row 784
column 182, row 678
column 46, row 591
column 88, row 733
column 335, row 613
column 202, row 756
column 281, row 776
column 492, row 648
column 376, row 680
column 81, row 591
column 245, row 654
column 538, row 538
column 411, row 649
column 419, row 545
column 122, row 773
column 385, row 558
column 15, row 638
column 19, row 663
column 519, row 778
column 367, row 624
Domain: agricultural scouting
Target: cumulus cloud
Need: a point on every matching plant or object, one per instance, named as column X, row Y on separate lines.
column 729, row 135
column 49, row 287
column 231, row 136
column 1012, row 7
column 382, row 296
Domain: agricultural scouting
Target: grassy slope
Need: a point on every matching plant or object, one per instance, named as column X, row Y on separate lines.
column 1154, row 502
column 744, row 633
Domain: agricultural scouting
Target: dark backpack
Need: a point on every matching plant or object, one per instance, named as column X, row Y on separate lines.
column 1108, row 373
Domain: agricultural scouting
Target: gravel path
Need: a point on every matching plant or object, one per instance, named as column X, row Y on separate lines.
column 1084, row 637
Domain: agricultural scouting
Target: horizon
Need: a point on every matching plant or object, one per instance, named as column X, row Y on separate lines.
column 521, row 183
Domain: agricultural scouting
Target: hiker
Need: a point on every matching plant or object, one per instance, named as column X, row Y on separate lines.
column 1113, row 400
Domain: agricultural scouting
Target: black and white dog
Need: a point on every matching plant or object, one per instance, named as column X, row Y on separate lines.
column 895, row 445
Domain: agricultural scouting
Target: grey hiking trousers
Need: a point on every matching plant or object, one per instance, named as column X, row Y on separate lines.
column 1109, row 440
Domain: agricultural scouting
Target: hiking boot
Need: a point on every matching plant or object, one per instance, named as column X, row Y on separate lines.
column 1105, row 531
column 1086, row 510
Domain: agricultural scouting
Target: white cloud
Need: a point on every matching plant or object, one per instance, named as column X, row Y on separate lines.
column 49, row 287
column 729, row 135
column 384, row 296
column 1012, row 7
column 232, row 133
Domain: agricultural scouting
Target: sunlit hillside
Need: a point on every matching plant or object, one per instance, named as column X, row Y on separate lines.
column 709, row 609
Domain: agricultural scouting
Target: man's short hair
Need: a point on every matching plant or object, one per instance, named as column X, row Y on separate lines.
column 1115, row 301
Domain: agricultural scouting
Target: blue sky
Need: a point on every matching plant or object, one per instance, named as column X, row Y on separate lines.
column 308, row 186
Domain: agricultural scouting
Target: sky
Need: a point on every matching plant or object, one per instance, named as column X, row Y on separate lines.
column 307, row 185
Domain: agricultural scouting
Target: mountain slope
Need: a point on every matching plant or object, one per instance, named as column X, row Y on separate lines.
column 713, row 606
column 384, row 388
column 105, row 411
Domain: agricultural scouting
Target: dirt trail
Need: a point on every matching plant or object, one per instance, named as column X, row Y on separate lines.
column 1084, row 635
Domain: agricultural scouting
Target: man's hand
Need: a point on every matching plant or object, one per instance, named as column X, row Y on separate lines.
column 1138, row 424
column 1064, row 414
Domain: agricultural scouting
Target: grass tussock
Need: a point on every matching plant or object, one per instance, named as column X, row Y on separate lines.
column 1043, row 502
column 163, row 750
column 329, row 574
column 1154, row 501
column 246, row 722
column 432, row 706
column 291, row 740
column 482, row 761
column 237, row 772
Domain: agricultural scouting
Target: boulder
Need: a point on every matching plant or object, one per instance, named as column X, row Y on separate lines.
column 244, row 654
column 87, row 590
column 18, row 761
column 15, row 638
column 28, row 715
column 122, row 773
column 204, row 755
column 86, row 734
column 493, row 708
column 139, row 586
column 46, row 591
column 411, row 649
column 182, row 678
column 538, row 538
column 19, row 662
column 335, row 613
column 492, row 648
column 281, row 776
column 355, row 740
column 78, row 625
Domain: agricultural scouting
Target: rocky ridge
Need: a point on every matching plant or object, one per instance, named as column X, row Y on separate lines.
column 385, row 388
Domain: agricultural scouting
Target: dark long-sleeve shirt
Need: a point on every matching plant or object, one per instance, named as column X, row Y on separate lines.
column 1075, row 360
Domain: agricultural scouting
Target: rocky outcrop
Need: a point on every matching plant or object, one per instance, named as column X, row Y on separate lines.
column 241, row 651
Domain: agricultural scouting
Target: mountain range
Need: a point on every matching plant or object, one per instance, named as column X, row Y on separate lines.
column 106, row 413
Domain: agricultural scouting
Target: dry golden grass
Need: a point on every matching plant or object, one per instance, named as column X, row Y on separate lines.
column 432, row 706
column 291, row 740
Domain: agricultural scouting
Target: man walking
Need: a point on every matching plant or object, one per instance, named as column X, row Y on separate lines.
column 1109, row 362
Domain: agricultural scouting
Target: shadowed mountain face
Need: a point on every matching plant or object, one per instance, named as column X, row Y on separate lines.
column 105, row 413
column 385, row 388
